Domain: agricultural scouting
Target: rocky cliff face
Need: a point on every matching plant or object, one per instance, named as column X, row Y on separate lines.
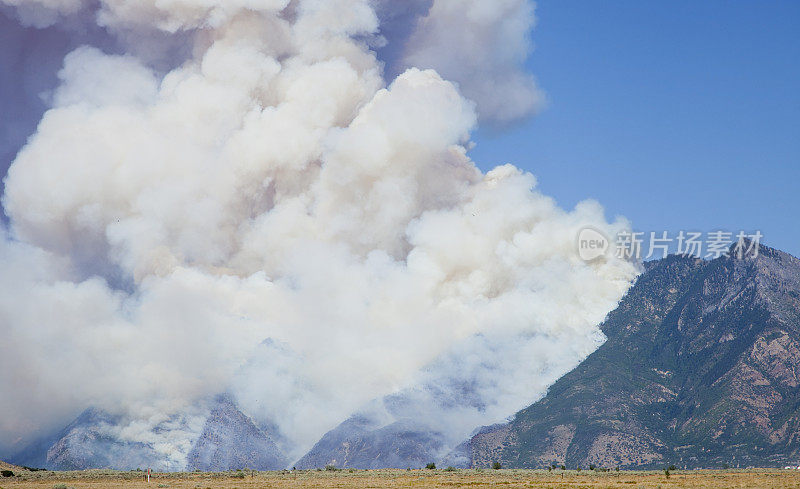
column 230, row 440
column 701, row 369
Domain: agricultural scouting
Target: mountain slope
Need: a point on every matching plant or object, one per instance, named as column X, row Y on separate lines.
column 7, row 466
column 701, row 368
column 87, row 443
column 221, row 438
column 230, row 440
column 361, row 443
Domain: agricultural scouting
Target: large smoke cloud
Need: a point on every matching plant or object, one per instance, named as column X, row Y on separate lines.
column 262, row 211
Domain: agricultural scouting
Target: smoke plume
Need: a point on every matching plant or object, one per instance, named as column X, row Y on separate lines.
column 274, row 198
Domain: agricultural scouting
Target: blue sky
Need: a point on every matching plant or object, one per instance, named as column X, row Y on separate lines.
column 677, row 115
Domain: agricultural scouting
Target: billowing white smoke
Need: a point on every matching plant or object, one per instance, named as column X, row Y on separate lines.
column 274, row 186
column 481, row 45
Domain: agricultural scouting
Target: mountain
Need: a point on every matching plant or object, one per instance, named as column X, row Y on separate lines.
column 88, row 443
column 222, row 438
column 362, row 443
column 71, row 448
column 701, row 368
column 230, row 440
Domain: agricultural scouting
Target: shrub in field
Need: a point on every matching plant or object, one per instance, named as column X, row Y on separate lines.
column 332, row 468
column 430, row 466
column 450, row 469
column 496, row 466
column 6, row 473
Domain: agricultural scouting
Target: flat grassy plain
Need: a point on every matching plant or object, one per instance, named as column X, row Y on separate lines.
column 378, row 479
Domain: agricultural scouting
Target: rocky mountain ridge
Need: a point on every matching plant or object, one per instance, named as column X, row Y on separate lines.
column 701, row 369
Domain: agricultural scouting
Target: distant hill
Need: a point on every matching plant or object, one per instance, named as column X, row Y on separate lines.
column 701, row 369
column 7, row 466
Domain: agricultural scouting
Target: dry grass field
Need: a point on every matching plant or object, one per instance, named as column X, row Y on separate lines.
column 375, row 479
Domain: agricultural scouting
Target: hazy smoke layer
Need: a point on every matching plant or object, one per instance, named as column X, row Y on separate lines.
column 271, row 184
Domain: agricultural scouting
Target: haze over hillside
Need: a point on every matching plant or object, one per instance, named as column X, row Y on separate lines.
column 273, row 200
